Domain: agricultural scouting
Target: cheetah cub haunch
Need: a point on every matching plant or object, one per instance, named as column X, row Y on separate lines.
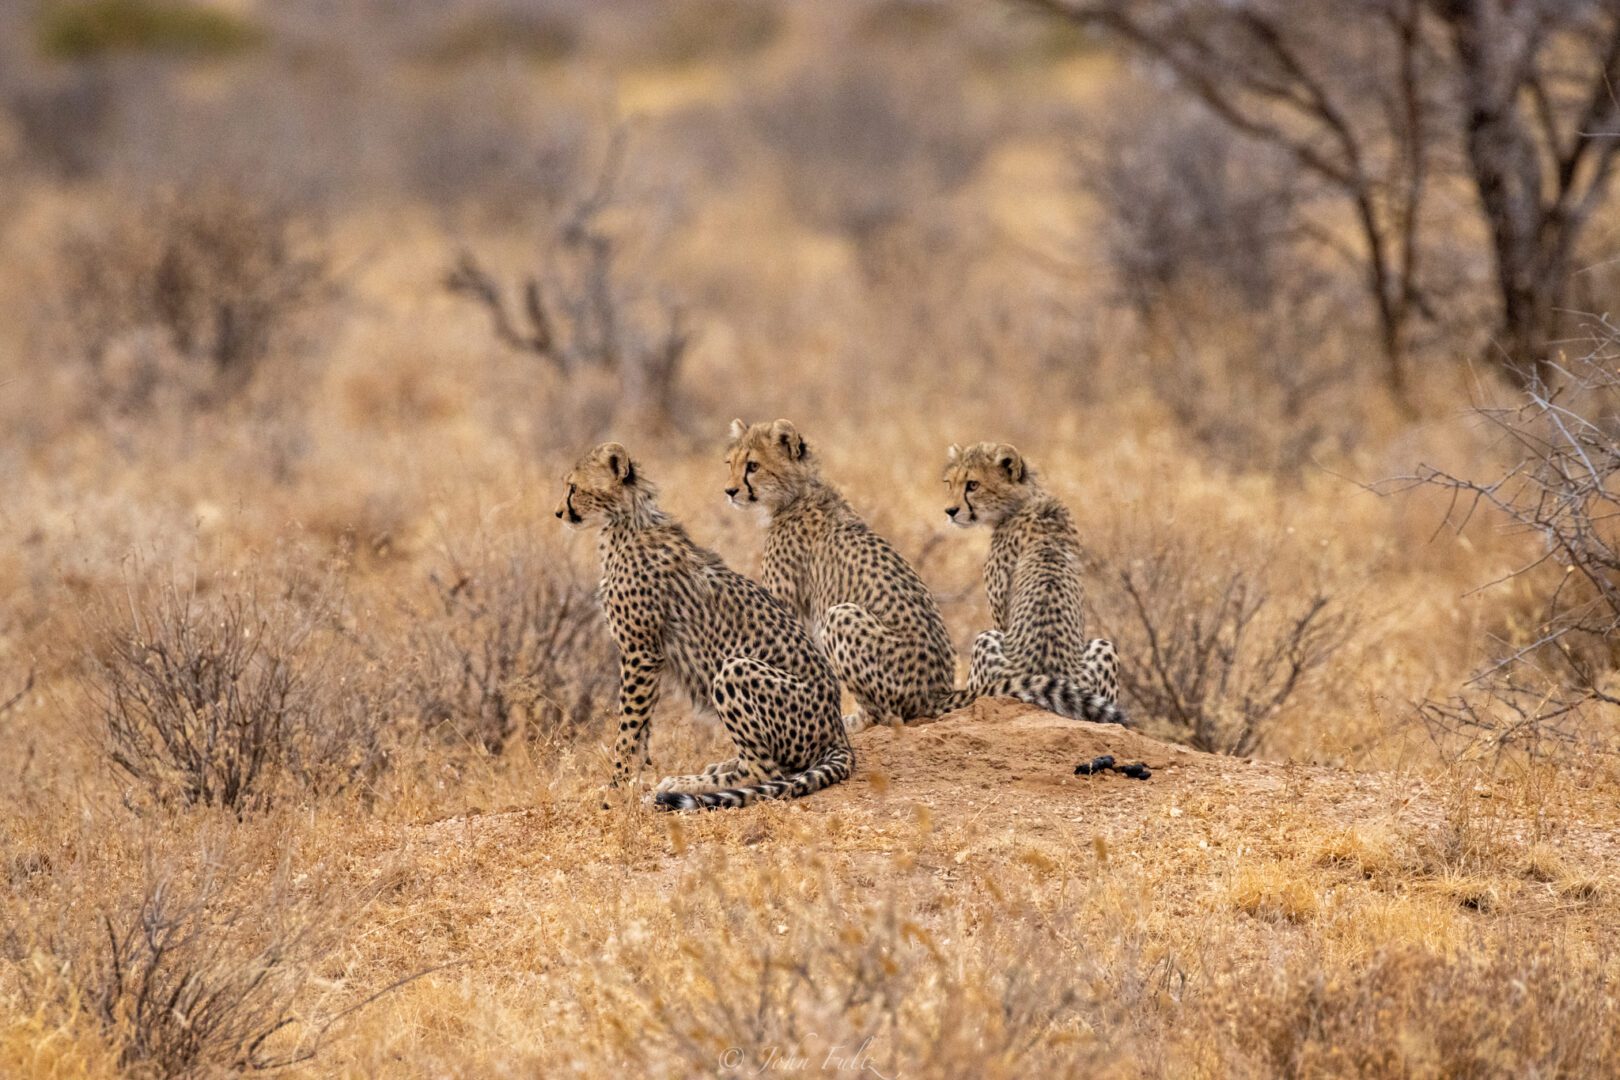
column 739, row 652
column 870, row 610
column 1032, row 579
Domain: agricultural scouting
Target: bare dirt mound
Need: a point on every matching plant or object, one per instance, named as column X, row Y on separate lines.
column 998, row 762
column 1002, row 757
column 995, row 742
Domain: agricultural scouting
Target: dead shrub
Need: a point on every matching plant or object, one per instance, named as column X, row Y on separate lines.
column 1209, row 243
column 689, row 32
column 1187, row 202
column 189, row 973
column 1549, row 683
column 589, row 308
column 62, row 122
column 220, row 701
column 188, row 294
column 511, row 647
column 479, row 148
column 792, row 972
column 1272, row 391
column 181, row 1005
column 1213, row 655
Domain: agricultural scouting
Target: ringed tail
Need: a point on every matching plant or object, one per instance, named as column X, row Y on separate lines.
column 956, row 699
column 835, row 767
column 1050, row 692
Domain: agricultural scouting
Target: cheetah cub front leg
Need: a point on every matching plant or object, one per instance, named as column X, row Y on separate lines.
column 989, row 662
column 640, row 671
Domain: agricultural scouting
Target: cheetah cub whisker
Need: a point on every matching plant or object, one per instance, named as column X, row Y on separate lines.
column 674, row 606
column 1032, row 579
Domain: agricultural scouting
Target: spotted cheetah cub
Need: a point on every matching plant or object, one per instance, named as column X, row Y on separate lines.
column 876, row 619
column 737, row 650
column 878, row 622
column 1032, row 579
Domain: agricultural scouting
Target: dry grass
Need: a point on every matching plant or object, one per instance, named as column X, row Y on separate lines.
column 418, row 880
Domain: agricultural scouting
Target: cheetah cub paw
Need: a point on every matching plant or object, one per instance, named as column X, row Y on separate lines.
column 859, row 720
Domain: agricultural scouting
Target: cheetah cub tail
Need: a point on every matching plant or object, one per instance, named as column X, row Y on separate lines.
column 1050, row 692
column 957, row 699
column 1064, row 697
column 835, row 767
column 1099, row 710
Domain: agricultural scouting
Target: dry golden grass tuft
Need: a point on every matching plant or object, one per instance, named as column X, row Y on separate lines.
column 56, row 1041
column 1274, row 890
column 1370, row 852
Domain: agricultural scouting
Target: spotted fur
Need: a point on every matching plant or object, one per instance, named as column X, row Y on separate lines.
column 1032, row 579
column 674, row 606
column 877, row 621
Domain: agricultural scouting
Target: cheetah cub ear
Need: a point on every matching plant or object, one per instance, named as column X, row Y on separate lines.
column 788, row 436
column 738, row 430
column 619, row 463
column 953, row 454
column 1011, row 462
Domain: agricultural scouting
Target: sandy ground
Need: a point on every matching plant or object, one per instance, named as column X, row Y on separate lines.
column 996, row 782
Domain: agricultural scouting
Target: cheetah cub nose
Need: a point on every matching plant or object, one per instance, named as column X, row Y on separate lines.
column 731, row 493
column 950, row 511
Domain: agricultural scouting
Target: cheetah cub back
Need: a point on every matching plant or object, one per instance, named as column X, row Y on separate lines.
column 675, row 608
column 1032, row 579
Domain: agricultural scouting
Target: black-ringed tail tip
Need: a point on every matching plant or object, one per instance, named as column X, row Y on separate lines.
column 674, row 800
column 1100, row 710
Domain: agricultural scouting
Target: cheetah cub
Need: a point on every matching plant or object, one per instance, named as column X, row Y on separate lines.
column 876, row 619
column 737, row 650
column 1032, row 579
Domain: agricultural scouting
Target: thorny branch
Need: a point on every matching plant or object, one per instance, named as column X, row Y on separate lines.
column 1563, row 487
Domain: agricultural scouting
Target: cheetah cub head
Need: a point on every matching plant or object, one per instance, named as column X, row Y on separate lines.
column 769, row 463
column 604, row 487
column 988, row 481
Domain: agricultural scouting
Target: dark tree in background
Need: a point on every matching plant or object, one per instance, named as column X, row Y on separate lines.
column 1381, row 99
column 1540, row 115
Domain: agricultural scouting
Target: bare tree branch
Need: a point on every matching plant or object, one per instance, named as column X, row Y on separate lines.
column 1565, row 489
column 1528, row 90
column 582, row 308
column 469, row 278
column 11, row 702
